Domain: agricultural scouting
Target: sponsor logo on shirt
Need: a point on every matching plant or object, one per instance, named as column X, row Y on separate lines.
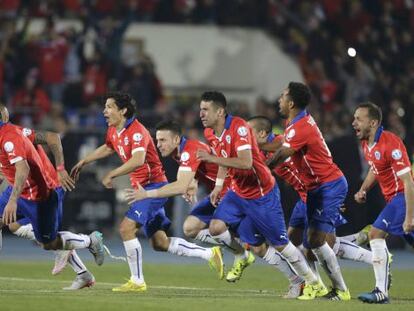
column 396, row 154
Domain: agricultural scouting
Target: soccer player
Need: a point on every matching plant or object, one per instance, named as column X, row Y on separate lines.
column 262, row 130
column 325, row 183
column 23, row 228
column 171, row 142
column 391, row 168
column 133, row 143
column 254, row 194
column 37, row 196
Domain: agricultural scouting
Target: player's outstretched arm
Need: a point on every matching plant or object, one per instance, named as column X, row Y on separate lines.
column 272, row 146
column 52, row 140
column 99, row 153
column 137, row 159
column 407, row 179
column 180, row 186
column 280, row 156
column 244, row 159
column 20, row 177
column 369, row 181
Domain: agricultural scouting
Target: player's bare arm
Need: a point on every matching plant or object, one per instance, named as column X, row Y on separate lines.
column 136, row 160
column 280, row 156
column 180, row 186
column 190, row 196
column 52, row 140
column 99, row 153
column 21, row 174
column 369, row 181
column 407, row 179
column 244, row 159
column 215, row 194
column 271, row 146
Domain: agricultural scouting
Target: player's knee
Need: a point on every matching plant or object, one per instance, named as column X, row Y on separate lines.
column 189, row 231
column 49, row 246
column 217, row 228
column 126, row 230
column 159, row 245
column 259, row 250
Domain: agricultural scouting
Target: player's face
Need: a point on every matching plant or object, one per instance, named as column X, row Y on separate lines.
column 284, row 101
column 167, row 142
column 113, row 115
column 209, row 114
column 362, row 124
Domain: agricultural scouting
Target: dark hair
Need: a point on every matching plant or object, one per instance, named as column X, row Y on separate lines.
column 300, row 94
column 169, row 125
column 123, row 100
column 374, row 112
column 262, row 123
column 216, row 97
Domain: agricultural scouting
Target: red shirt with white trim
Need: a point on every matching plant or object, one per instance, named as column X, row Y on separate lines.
column 15, row 147
column 206, row 173
column 132, row 138
column 287, row 170
column 388, row 160
column 312, row 156
column 237, row 135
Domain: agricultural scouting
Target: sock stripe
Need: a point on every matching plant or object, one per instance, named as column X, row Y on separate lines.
column 349, row 244
column 72, row 258
column 188, row 247
column 138, row 270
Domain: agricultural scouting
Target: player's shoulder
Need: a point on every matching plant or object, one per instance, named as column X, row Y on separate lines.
column 239, row 126
column 388, row 138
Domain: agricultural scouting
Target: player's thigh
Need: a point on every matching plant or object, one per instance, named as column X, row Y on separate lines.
column 295, row 235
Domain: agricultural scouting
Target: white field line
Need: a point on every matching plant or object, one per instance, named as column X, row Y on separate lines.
column 202, row 289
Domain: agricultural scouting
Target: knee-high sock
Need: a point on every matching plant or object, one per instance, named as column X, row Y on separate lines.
column 274, row 258
column 134, row 257
column 380, row 262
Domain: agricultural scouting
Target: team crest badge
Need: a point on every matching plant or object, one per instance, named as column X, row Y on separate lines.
column 137, row 137
column 396, row 154
column 377, row 155
column 8, row 146
column 228, row 139
column 242, row 131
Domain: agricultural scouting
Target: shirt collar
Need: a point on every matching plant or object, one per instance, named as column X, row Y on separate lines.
column 270, row 137
column 128, row 122
column 2, row 123
column 227, row 124
column 182, row 144
column 299, row 116
column 378, row 134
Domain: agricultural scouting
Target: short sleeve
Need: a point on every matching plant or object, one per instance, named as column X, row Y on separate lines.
column 108, row 141
column 398, row 157
column 14, row 147
column 139, row 140
column 295, row 137
column 188, row 159
column 242, row 137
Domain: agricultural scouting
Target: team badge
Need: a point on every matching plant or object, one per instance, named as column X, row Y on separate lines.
column 126, row 141
column 242, row 131
column 228, row 138
column 27, row 132
column 396, row 154
column 8, row 146
column 377, row 155
column 137, row 137
column 185, row 156
column 290, row 134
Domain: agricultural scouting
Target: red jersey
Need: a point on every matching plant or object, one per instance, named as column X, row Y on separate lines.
column 388, row 160
column 14, row 148
column 132, row 138
column 287, row 170
column 206, row 172
column 237, row 135
column 50, row 170
column 312, row 157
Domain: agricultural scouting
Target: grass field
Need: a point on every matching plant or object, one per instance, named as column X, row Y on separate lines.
column 28, row 285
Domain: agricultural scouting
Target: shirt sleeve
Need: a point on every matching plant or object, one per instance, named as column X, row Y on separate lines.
column 398, row 157
column 108, row 141
column 295, row 137
column 188, row 159
column 14, row 147
column 139, row 140
column 29, row 133
column 242, row 137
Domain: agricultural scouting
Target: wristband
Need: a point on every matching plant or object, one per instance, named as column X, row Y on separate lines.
column 60, row 167
column 219, row 182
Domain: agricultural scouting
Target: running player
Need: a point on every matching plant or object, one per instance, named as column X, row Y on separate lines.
column 133, row 143
column 391, row 168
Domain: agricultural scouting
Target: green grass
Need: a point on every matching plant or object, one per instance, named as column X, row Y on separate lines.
column 28, row 285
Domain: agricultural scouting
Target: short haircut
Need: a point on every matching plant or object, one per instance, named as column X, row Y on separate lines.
column 217, row 98
column 123, row 100
column 374, row 112
column 262, row 123
column 300, row 94
column 169, row 125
